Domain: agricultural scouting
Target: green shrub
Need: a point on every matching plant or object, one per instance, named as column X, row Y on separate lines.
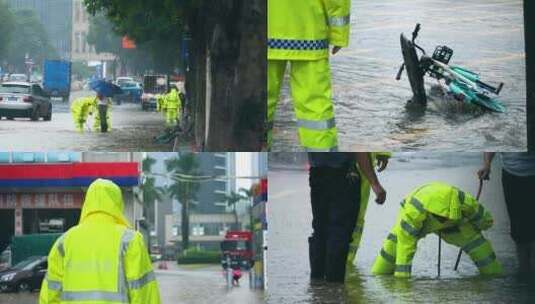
column 196, row 256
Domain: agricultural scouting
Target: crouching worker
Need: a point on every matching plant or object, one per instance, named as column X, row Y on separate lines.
column 102, row 259
column 437, row 208
column 81, row 108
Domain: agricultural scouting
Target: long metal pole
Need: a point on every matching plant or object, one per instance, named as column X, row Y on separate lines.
column 461, row 250
column 439, row 252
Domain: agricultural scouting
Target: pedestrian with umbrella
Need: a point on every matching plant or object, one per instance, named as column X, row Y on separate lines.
column 104, row 90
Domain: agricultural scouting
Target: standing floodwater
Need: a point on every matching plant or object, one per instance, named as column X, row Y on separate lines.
column 487, row 36
column 290, row 225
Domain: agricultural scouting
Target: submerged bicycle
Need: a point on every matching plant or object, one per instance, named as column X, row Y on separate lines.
column 462, row 84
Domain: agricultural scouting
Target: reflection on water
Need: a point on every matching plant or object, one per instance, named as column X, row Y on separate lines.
column 486, row 36
column 290, row 225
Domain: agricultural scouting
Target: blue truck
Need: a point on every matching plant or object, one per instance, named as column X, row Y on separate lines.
column 57, row 78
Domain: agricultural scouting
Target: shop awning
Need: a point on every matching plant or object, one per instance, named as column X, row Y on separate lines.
column 124, row 174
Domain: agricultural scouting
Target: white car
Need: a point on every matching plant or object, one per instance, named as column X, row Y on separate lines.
column 24, row 99
column 18, row 77
column 121, row 80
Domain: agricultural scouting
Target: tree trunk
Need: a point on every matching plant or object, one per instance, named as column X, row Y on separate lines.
column 196, row 76
column 230, row 35
column 235, row 217
column 185, row 225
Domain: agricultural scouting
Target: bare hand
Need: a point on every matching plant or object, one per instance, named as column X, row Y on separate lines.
column 380, row 193
column 382, row 162
column 484, row 173
column 336, row 49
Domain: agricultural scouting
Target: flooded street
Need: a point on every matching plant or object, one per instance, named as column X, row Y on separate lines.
column 487, row 37
column 203, row 285
column 192, row 285
column 131, row 130
column 290, row 225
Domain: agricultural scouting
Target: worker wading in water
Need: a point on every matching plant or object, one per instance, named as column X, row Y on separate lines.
column 379, row 159
column 437, row 208
column 299, row 34
column 81, row 108
column 172, row 107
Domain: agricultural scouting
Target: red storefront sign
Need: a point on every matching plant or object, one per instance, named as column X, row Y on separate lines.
column 49, row 200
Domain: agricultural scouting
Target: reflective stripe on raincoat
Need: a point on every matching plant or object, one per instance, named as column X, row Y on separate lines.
column 304, row 29
column 101, row 260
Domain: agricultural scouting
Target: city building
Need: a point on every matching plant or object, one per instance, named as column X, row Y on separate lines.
column 209, row 216
column 81, row 50
column 44, row 191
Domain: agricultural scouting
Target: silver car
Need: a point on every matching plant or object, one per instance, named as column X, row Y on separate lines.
column 24, row 99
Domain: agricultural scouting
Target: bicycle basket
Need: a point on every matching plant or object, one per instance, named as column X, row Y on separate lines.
column 443, row 54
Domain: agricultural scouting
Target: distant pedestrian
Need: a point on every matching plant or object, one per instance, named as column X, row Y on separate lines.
column 518, row 180
column 334, row 192
column 236, row 276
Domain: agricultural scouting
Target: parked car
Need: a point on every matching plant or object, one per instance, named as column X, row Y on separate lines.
column 120, row 80
column 153, row 85
column 132, row 92
column 24, row 99
column 17, row 77
column 24, row 276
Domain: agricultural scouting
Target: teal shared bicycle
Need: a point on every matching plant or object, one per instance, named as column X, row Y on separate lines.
column 462, row 84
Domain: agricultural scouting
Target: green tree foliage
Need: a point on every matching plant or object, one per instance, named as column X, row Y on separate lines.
column 184, row 189
column 28, row 37
column 232, row 199
column 155, row 26
column 7, row 24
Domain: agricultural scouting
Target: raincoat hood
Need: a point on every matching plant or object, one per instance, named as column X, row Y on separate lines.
column 441, row 199
column 104, row 196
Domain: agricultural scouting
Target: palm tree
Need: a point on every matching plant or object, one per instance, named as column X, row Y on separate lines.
column 146, row 164
column 184, row 190
column 151, row 192
column 249, row 194
column 231, row 200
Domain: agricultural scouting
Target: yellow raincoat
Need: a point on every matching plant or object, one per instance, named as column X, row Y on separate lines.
column 433, row 208
column 364, row 198
column 101, row 260
column 81, row 108
column 172, row 105
column 300, row 32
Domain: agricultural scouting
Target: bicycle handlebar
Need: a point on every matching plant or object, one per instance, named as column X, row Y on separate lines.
column 415, row 32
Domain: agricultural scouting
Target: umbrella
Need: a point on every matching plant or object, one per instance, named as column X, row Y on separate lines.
column 105, row 88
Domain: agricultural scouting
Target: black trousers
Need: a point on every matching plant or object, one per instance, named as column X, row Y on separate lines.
column 335, row 198
column 519, row 192
column 103, row 114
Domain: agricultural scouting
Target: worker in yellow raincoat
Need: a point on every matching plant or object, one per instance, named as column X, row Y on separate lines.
column 81, row 108
column 299, row 34
column 101, row 260
column 160, row 104
column 172, row 107
column 379, row 159
column 437, row 208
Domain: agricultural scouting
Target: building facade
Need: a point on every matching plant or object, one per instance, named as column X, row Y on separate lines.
column 44, row 191
column 81, row 50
